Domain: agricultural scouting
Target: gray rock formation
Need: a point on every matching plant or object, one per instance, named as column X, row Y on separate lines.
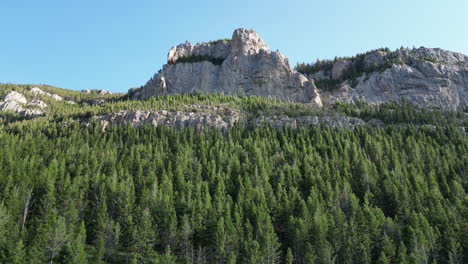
column 38, row 103
column 426, row 77
column 38, row 91
column 220, row 118
column 15, row 102
column 14, row 96
column 246, row 67
column 315, row 121
column 101, row 92
column 201, row 117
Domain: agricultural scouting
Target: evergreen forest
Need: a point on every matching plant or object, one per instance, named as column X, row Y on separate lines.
column 73, row 193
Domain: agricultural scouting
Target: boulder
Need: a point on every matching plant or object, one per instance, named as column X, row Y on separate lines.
column 38, row 103
column 16, row 102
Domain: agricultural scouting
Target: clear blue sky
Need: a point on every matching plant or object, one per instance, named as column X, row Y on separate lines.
column 116, row 44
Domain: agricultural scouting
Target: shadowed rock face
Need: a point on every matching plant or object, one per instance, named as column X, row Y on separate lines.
column 248, row 68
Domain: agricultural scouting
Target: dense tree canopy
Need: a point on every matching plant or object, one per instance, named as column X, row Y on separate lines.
column 71, row 193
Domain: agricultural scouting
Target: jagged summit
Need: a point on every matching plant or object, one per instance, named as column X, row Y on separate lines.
column 243, row 65
column 243, row 42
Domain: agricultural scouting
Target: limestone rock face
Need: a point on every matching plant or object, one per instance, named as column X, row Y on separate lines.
column 218, row 49
column 215, row 118
column 339, row 68
column 246, row 42
column 15, row 102
column 15, row 97
column 247, row 67
column 423, row 76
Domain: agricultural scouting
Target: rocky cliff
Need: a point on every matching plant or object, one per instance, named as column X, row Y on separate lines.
column 223, row 118
column 423, row 76
column 243, row 65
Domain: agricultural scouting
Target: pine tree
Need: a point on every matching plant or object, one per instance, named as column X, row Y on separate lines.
column 383, row 259
column 18, row 253
column 57, row 237
column 75, row 251
column 100, row 250
column 220, row 241
column 289, row 258
column 309, row 257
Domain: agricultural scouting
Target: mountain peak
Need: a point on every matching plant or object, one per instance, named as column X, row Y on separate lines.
column 242, row 65
column 246, row 42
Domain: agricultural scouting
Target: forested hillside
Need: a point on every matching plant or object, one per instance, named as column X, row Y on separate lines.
column 71, row 193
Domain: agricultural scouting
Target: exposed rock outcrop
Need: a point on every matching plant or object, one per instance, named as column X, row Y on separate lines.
column 101, row 92
column 221, row 119
column 38, row 103
column 38, row 91
column 426, row 77
column 201, row 117
column 244, row 66
column 306, row 121
column 16, row 102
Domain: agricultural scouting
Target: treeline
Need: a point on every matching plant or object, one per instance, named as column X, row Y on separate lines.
column 403, row 112
column 355, row 69
column 66, row 94
column 253, row 106
column 71, row 193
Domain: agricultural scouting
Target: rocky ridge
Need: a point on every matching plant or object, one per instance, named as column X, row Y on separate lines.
column 425, row 77
column 243, row 66
column 223, row 118
column 201, row 116
column 206, row 116
column 34, row 107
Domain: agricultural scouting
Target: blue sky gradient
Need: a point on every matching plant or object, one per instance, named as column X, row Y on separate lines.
column 116, row 44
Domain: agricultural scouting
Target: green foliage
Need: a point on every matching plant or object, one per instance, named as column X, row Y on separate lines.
column 18, row 254
column 75, row 251
column 402, row 113
column 245, row 195
column 354, row 70
column 289, row 258
column 72, row 193
column 223, row 40
column 66, row 94
column 199, row 58
column 328, row 84
column 429, row 59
